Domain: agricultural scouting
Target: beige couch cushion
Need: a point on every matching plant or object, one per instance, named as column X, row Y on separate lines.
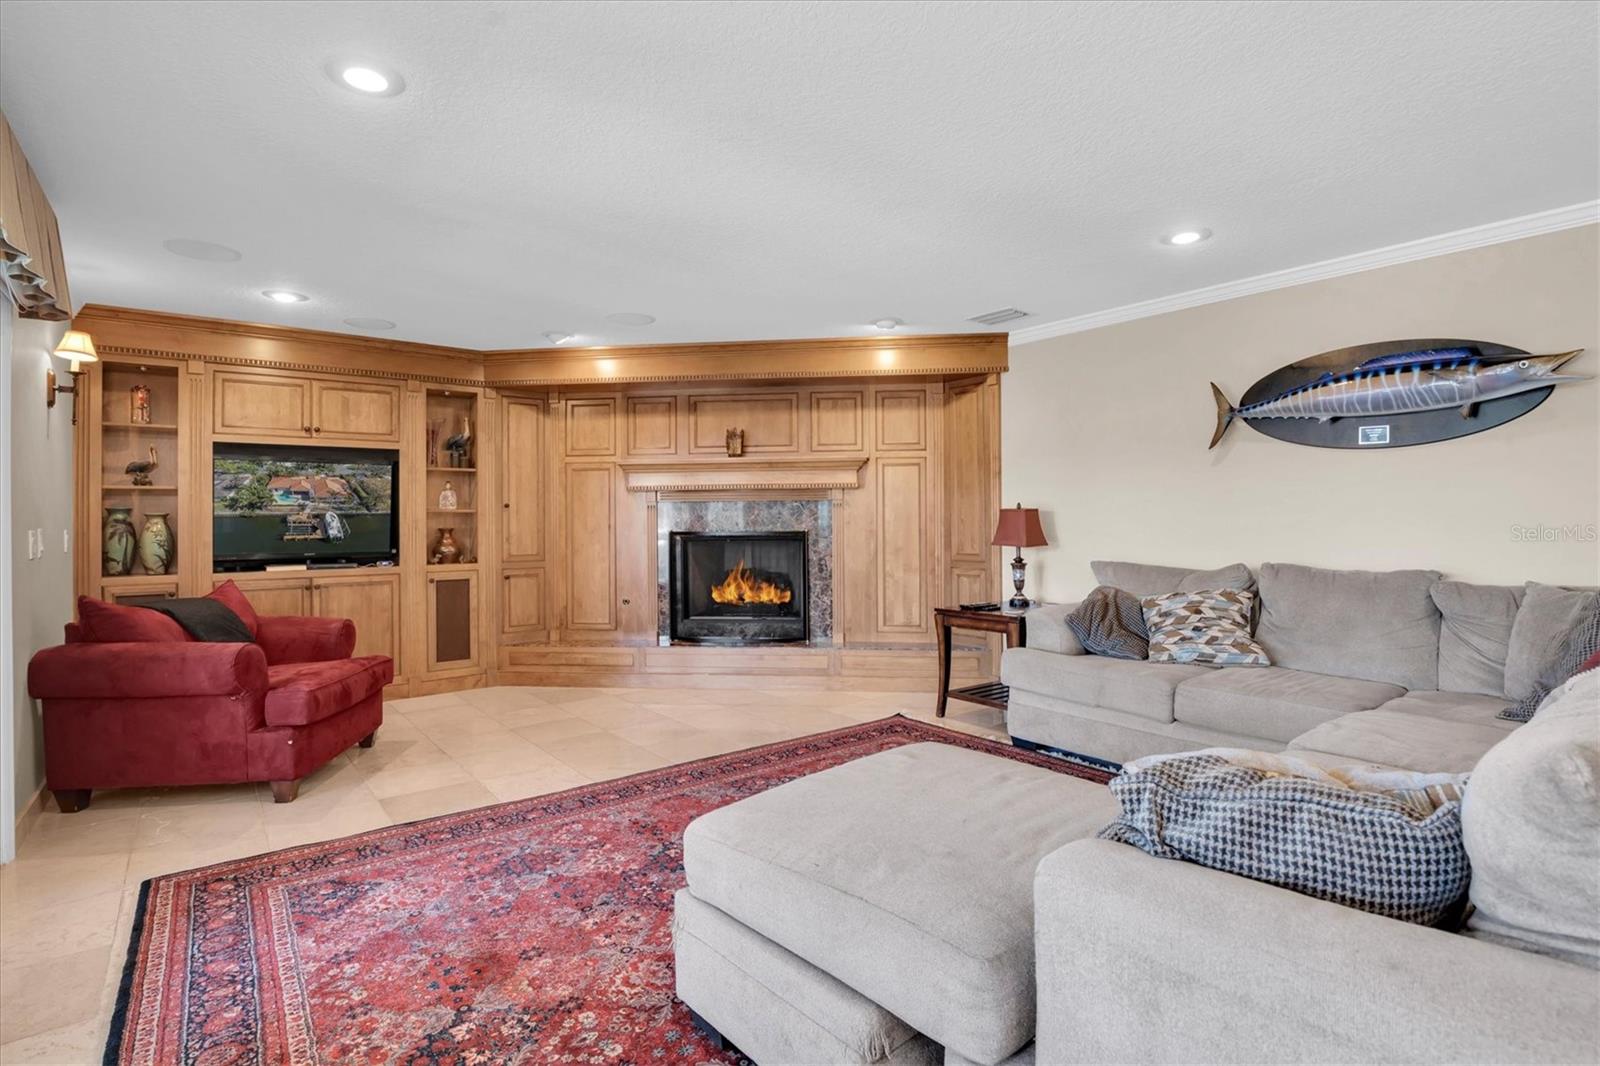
column 1400, row 738
column 1531, row 822
column 1131, row 686
column 908, row 875
column 1547, row 615
column 1146, row 579
column 1466, row 707
column 1380, row 626
column 1474, row 635
column 1273, row 702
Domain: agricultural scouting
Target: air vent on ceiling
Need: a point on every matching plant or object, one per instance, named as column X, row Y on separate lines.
column 994, row 318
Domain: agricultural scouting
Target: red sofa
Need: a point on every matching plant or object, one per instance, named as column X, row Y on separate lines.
column 161, row 709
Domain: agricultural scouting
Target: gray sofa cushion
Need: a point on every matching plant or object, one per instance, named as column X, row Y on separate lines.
column 1047, row 629
column 1532, row 827
column 1141, row 688
column 1146, row 579
column 1468, row 708
column 1409, row 741
column 908, row 875
column 1474, row 635
column 1546, row 616
column 1272, row 701
column 1380, row 626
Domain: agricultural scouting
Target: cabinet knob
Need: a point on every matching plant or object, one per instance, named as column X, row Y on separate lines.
column 316, row 429
column 306, row 428
column 506, row 505
column 433, row 581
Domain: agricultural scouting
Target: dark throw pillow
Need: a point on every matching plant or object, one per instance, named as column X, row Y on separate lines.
column 1110, row 622
column 1581, row 645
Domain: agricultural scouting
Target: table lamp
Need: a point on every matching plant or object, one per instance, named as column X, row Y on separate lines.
column 1019, row 528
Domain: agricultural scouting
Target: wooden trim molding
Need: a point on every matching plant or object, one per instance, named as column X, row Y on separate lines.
column 135, row 333
column 752, row 475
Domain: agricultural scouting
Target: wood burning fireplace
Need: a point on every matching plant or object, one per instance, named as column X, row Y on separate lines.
column 738, row 588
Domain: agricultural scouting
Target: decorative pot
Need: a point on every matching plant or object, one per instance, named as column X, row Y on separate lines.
column 157, row 549
column 445, row 549
column 117, row 541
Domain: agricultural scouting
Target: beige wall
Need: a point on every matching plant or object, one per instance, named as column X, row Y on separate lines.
column 1106, row 432
column 41, row 498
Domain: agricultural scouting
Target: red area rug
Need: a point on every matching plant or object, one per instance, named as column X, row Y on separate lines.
column 527, row 932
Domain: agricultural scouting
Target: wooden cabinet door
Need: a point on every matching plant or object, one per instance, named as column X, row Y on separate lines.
column 276, row 596
column 138, row 594
column 522, row 603
column 372, row 603
column 355, row 410
column 522, row 505
column 452, row 620
column 260, row 405
column 590, row 517
column 902, row 546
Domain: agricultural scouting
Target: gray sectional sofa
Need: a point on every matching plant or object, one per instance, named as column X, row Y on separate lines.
column 1400, row 668
column 935, row 904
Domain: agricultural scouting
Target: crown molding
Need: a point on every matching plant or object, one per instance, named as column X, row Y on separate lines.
column 1460, row 240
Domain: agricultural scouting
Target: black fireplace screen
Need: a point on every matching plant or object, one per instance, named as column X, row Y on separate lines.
column 738, row 588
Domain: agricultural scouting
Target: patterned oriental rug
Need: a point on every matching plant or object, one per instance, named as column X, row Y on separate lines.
column 528, row 932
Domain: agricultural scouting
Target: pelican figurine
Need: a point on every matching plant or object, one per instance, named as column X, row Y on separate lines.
column 458, row 444
column 140, row 468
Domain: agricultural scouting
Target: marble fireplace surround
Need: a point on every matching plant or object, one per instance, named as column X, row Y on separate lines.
column 814, row 517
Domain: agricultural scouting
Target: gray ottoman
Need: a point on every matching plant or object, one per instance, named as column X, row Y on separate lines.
column 904, row 878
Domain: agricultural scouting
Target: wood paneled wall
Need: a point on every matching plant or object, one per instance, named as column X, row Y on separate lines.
column 563, row 586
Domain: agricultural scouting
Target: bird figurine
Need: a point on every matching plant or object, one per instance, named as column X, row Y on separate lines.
column 458, row 444
column 140, row 468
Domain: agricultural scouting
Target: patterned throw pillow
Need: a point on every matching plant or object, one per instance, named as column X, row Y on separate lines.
column 1386, row 842
column 1581, row 644
column 1210, row 627
column 1110, row 622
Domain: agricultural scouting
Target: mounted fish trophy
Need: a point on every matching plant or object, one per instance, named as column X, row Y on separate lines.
column 1395, row 393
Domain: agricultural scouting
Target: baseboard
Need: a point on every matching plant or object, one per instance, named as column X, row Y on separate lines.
column 29, row 817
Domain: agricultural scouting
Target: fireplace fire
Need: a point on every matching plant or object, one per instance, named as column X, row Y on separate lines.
column 738, row 588
column 743, row 586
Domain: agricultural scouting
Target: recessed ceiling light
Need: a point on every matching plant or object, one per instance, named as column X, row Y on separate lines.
column 204, row 250
column 369, row 323
column 630, row 318
column 284, row 296
column 555, row 336
column 888, row 323
column 1186, row 236
column 369, row 79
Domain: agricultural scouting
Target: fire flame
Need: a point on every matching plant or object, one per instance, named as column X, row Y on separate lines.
column 740, row 586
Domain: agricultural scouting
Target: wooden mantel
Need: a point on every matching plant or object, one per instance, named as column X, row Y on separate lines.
column 743, row 474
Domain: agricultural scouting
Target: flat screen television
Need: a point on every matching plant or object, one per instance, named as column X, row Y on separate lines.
column 283, row 503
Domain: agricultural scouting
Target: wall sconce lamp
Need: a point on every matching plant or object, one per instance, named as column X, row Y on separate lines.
column 77, row 346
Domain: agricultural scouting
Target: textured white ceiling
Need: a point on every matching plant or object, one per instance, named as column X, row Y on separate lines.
column 755, row 170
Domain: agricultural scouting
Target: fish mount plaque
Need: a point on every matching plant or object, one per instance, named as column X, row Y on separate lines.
column 1395, row 393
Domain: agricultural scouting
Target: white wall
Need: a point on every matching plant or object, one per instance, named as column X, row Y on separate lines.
column 1106, row 432
column 41, row 473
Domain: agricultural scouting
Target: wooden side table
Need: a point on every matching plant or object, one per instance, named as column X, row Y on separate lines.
column 1013, row 624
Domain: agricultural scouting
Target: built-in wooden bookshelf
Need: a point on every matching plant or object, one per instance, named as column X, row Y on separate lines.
column 451, row 414
column 129, row 393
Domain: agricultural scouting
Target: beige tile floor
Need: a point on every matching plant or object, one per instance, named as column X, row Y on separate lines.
column 66, row 903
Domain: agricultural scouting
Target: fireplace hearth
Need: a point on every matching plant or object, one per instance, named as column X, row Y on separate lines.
column 738, row 588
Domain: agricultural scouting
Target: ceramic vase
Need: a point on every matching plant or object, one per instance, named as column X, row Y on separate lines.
column 117, row 540
column 157, row 550
column 445, row 549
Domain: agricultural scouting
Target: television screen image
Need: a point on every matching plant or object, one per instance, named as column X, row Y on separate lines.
column 279, row 503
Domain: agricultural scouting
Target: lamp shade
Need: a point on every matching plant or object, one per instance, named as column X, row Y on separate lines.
column 1019, row 528
column 77, row 346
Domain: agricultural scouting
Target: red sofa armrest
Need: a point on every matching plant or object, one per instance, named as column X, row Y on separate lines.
column 87, row 671
column 287, row 639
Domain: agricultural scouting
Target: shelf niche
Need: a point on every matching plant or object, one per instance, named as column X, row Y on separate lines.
column 124, row 441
